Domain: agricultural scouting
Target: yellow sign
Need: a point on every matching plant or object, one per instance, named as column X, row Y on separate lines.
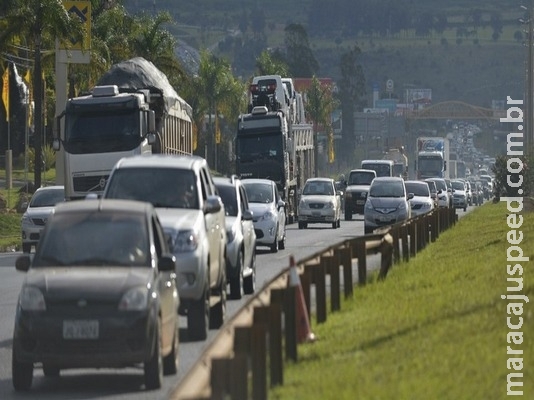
column 81, row 9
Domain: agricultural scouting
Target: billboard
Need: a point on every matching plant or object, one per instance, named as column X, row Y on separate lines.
column 420, row 96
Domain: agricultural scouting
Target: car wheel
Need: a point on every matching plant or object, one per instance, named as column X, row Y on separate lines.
column 302, row 225
column 249, row 282
column 170, row 361
column 348, row 214
column 236, row 281
column 154, row 366
column 368, row 230
column 465, row 208
column 22, row 373
column 26, row 247
column 339, row 223
column 50, row 371
column 198, row 317
column 218, row 312
column 334, row 225
column 274, row 246
column 282, row 242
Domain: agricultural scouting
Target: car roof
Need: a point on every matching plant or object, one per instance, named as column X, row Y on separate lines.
column 257, row 180
column 319, row 180
column 362, row 170
column 54, row 187
column 226, row 181
column 106, row 205
column 414, row 182
column 388, row 178
column 161, row 160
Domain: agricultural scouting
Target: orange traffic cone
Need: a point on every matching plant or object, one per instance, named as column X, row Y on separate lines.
column 304, row 333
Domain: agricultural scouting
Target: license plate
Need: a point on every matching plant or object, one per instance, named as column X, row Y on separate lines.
column 80, row 329
column 316, row 214
column 360, row 202
column 384, row 219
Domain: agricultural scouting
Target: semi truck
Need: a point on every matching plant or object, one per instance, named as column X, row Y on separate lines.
column 270, row 146
column 432, row 157
column 133, row 109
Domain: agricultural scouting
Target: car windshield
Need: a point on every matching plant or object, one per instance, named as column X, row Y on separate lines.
column 163, row 187
column 440, row 185
column 94, row 239
column 259, row 192
column 458, row 185
column 318, row 188
column 418, row 189
column 229, row 199
column 387, row 189
column 47, row 197
column 361, row 178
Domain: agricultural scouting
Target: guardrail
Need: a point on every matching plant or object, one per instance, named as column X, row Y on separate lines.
column 248, row 352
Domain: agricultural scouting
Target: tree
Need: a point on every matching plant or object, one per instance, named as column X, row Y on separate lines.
column 352, row 96
column 299, row 56
column 320, row 106
column 41, row 22
column 268, row 63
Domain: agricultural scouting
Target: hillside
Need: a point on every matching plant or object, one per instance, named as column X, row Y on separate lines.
column 461, row 62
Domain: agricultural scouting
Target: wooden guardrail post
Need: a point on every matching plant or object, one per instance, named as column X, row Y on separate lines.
column 345, row 259
column 332, row 268
column 386, row 250
column 361, row 254
column 395, row 234
column 413, row 238
column 319, row 278
column 259, row 359
column 405, row 243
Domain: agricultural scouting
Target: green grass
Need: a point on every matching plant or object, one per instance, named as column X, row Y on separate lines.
column 434, row 329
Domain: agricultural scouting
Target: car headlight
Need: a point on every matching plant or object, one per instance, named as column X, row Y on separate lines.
column 135, row 299
column 426, row 206
column 267, row 216
column 303, row 204
column 329, row 205
column 183, row 241
column 402, row 206
column 32, row 299
column 369, row 205
column 25, row 219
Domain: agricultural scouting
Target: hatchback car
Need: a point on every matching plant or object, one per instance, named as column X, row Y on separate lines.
column 99, row 293
column 319, row 203
column 40, row 207
column 444, row 196
column 421, row 203
column 387, row 203
column 240, row 237
column 268, row 213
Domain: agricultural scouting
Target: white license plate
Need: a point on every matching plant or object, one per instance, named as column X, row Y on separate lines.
column 80, row 329
column 384, row 219
column 360, row 202
column 316, row 214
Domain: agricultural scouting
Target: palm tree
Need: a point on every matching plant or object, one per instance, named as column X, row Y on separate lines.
column 41, row 22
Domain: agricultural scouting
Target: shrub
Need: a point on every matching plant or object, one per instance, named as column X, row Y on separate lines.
column 500, row 170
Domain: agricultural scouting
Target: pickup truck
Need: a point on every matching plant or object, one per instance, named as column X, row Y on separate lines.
column 357, row 187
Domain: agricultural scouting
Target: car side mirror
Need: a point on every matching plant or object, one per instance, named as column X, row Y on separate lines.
column 281, row 204
column 410, row 196
column 167, row 263
column 23, row 263
column 24, row 206
column 213, row 204
column 247, row 215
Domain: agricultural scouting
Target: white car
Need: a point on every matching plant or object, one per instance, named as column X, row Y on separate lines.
column 444, row 196
column 460, row 194
column 40, row 207
column 193, row 217
column 241, row 237
column 319, row 203
column 421, row 202
column 268, row 213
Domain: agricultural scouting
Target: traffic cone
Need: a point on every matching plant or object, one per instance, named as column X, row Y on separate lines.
column 304, row 333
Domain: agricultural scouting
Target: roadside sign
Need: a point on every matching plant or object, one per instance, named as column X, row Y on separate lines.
column 81, row 9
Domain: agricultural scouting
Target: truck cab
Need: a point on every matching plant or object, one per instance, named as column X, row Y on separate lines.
column 356, row 191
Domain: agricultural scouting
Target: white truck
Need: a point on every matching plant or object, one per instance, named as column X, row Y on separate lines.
column 133, row 109
column 432, row 157
column 400, row 162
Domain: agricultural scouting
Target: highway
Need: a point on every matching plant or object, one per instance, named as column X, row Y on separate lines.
column 128, row 383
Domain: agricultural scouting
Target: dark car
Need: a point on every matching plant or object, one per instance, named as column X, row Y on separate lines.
column 100, row 292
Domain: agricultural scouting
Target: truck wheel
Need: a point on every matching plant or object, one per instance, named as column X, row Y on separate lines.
column 218, row 312
column 198, row 316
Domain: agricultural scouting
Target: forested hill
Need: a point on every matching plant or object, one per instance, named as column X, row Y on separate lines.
column 469, row 50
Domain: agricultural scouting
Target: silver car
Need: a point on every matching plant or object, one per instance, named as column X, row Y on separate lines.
column 40, row 207
column 387, row 203
column 240, row 235
column 421, row 202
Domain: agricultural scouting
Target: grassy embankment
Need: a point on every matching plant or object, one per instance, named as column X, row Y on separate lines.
column 434, row 329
